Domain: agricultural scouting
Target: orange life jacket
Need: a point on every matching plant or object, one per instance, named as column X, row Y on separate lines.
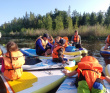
column 44, row 43
column 55, row 53
column 18, row 60
column 76, row 38
column 108, row 39
column 90, row 69
column 66, row 43
column 50, row 41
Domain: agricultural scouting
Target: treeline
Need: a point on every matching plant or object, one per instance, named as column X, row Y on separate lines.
column 55, row 22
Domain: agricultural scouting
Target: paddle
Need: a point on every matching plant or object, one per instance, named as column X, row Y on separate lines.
column 44, row 69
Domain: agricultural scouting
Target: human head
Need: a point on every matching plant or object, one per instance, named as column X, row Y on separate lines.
column 57, row 38
column 11, row 46
column 62, row 42
column 76, row 32
column 45, row 37
column 50, row 37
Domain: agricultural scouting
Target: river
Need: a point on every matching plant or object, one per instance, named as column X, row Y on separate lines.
column 93, row 47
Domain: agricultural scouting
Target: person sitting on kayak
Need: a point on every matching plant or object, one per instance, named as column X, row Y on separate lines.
column 107, row 41
column 58, row 52
column 76, row 40
column 57, row 39
column 12, row 62
column 43, row 47
column 67, row 41
column 90, row 76
column 51, row 40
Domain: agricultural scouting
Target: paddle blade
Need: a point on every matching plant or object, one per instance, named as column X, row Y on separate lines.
column 71, row 68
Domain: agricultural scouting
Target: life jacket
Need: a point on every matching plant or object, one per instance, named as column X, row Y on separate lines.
column 50, row 41
column 90, row 69
column 18, row 60
column 108, row 39
column 66, row 43
column 55, row 53
column 44, row 43
column 76, row 38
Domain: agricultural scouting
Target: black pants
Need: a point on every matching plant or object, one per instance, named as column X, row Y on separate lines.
column 77, row 45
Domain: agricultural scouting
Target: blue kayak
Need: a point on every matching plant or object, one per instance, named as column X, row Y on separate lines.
column 105, row 53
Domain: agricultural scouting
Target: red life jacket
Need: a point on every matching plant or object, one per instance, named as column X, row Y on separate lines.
column 90, row 69
column 55, row 53
column 76, row 38
column 108, row 39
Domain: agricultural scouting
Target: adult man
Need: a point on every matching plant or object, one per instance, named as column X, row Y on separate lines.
column 43, row 47
column 76, row 40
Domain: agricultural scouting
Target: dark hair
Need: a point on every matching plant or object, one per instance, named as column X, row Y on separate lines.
column 62, row 41
column 45, row 35
column 76, row 31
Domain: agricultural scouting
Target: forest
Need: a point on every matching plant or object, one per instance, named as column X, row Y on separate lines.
column 62, row 23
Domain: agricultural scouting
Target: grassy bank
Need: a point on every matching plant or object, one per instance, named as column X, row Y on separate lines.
column 86, row 32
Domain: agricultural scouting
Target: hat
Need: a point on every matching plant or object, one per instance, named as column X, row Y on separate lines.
column 62, row 41
column 45, row 35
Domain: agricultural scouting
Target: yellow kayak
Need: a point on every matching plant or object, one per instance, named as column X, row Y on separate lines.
column 77, row 52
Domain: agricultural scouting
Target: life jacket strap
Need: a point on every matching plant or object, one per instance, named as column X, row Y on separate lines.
column 90, row 70
column 13, row 69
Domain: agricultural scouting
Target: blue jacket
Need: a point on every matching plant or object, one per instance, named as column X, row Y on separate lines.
column 39, row 46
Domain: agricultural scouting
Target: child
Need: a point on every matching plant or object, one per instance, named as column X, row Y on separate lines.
column 58, row 52
column 12, row 62
column 57, row 39
column 90, row 79
column 51, row 40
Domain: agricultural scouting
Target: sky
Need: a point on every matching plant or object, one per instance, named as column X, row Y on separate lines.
column 9, row 9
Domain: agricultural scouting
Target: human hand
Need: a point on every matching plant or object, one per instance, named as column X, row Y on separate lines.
column 65, row 72
column 46, row 54
column 71, row 41
column 63, row 62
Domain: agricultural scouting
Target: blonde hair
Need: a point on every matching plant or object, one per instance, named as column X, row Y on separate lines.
column 57, row 38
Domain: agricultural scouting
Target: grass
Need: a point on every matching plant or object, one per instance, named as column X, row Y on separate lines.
column 88, row 32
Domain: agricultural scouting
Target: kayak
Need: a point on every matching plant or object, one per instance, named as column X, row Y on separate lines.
column 46, row 64
column 68, row 86
column 104, row 53
column 77, row 52
column 39, row 79
column 32, row 53
column 107, row 70
column 35, row 82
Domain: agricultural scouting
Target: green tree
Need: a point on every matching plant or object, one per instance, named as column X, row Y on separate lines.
column 59, row 23
column 100, row 17
column 107, row 17
column 93, row 19
column 85, row 19
column 48, row 22
column 70, row 24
